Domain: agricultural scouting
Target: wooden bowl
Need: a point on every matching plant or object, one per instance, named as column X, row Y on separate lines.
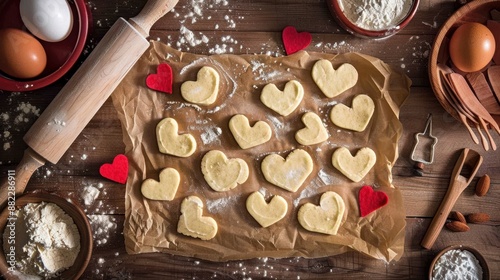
column 81, row 222
column 479, row 257
column 61, row 56
column 474, row 11
column 344, row 22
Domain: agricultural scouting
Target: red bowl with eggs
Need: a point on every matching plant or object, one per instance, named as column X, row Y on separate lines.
column 476, row 12
column 61, row 56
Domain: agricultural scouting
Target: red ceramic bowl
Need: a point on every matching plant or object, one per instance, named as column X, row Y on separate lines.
column 352, row 28
column 61, row 56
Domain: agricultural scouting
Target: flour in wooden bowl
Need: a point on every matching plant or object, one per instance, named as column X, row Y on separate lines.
column 46, row 240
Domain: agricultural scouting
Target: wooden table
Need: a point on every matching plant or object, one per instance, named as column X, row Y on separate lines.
column 255, row 27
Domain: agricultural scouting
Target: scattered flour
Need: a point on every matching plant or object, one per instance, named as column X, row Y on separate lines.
column 89, row 194
column 217, row 205
column 102, row 225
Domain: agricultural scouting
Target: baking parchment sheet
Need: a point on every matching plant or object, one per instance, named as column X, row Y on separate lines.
column 151, row 226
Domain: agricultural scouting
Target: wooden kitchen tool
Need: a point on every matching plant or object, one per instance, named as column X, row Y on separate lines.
column 483, row 92
column 464, row 171
column 494, row 78
column 448, row 100
column 82, row 96
column 469, row 101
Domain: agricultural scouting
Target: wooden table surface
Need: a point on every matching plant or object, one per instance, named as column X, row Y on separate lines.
column 254, row 27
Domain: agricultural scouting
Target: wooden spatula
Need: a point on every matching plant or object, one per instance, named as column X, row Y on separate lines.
column 494, row 79
column 483, row 92
column 86, row 91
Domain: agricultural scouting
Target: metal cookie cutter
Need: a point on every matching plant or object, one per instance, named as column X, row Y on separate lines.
column 423, row 151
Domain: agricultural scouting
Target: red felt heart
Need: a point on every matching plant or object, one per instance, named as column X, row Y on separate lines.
column 295, row 41
column 162, row 81
column 116, row 171
column 370, row 200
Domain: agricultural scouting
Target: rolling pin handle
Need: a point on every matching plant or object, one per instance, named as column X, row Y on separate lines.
column 30, row 162
column 152, row 11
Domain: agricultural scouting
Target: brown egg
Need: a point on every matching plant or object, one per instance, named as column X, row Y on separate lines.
column 21, row 55
column 472, row 46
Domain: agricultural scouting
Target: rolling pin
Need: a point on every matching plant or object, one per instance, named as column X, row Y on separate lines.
column 84, row 94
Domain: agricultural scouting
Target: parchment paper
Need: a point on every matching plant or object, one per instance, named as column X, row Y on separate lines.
column 151, row 226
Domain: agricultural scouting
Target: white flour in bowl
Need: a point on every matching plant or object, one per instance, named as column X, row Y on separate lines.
column 47, row 240
column 457, row 264
column 375, row 15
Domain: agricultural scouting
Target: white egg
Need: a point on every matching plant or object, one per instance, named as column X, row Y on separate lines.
column 49, row 20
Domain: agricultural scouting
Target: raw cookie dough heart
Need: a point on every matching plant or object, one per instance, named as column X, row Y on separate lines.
column 248, row 136
column 165, row 189
column 334, row 82
column 370, row 200
column 288, row 174
column 314, row 132
column 203, row 91
column 325, row 218
column 221, row 173
column 171, row 143
column 193, row 223
column 264, row 213
column 354, row 168
column 355, row 118
column 282, row 102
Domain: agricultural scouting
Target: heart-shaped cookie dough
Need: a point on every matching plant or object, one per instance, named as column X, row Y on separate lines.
column 314, row 132
column 264, row 213
column 247, row 136
column 165, row 189
column 221, row 173
column 204, row 90
column 354, row 168
column 193, row 223
column 282, row 102
column 325, row 218
column 171, row 143
column 288, row 174
column 334, row 82
column 355, row 118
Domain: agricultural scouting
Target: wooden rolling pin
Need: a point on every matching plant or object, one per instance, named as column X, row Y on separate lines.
column 79, row 100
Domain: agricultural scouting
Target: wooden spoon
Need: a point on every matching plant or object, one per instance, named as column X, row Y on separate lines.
column 494, row 78
column 483, row 92
column 442, row 69
column 459, row 181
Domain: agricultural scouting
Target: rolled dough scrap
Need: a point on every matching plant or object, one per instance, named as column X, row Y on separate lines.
column 282, row 102
column 288, row 174
column 355, row 118
column 247, row 136
column 354, row 168
column 325, row 218
column 204, row 90
column 193, row 223
column 314, row 132
column 264, row 213
column 334, row 82
column 165, row 189
column 170, row 142
column 221, row 173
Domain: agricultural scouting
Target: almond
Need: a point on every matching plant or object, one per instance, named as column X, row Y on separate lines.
column 483, row 185
column 457, row 216
column 457, row 226
column 477, row 218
